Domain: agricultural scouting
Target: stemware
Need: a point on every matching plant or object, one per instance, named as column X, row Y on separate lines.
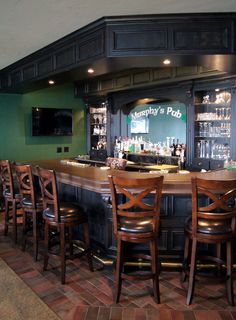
column 227, row 113
column 222, row 113
column 201, row 129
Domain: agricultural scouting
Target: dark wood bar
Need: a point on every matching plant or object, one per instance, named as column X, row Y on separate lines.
column 89, row 186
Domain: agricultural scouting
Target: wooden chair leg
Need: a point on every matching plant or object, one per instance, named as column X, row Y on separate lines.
column 119, row 264
column 218, row 250
column 229, row 281
column 185, row 265
column 218, row 255
column 7, row 204
column 24, row 231
column 192, row 272
column 155, row 271
column 35, row 236
column 2, row 206
column 14, row 221
column 62, row 253
column 87, row 246
column 46, row 245
column 71, row 236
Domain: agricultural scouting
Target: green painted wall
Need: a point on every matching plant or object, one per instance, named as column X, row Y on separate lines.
column 16, row 140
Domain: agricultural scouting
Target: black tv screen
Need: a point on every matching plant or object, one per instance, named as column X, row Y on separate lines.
column 51, row 122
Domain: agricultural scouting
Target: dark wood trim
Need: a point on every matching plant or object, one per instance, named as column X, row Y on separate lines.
column 140, row 79
column 143, row 36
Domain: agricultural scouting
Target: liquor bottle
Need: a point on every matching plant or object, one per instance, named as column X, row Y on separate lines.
column 226, row 163
column 182, row 159
column 116, row 148
column 131, row 146
column 126, row 144
column 173, row 148
column 177, row 149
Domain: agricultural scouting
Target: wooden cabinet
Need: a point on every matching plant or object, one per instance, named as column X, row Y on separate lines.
column 212, row 120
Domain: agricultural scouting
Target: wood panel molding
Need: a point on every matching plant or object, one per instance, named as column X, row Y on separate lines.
column 122, row 37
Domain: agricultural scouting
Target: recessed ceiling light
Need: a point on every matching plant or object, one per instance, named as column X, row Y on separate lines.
column 51, row 81
column 217, row 89
column 90, row 70
column 166, row 61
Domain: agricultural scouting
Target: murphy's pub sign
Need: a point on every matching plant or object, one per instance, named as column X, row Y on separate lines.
column 169, row 110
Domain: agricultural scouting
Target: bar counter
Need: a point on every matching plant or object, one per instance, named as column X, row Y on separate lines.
column 88, row 186
column 95, row 179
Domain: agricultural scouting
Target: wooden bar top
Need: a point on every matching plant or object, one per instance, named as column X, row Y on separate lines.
column 95, row 179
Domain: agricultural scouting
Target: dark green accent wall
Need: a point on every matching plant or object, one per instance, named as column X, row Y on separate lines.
column 16, row 140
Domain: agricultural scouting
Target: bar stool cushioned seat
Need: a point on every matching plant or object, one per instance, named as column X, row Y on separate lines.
column 135, row 225
column 208, row 226
column 136, row 220
column 27, row 201
column 213, row 221
column 67, row 212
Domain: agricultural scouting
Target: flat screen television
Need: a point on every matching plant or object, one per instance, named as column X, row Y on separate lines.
column 52, row 122
column 140, row 125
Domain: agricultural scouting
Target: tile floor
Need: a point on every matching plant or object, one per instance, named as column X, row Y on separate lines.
column 88, row 295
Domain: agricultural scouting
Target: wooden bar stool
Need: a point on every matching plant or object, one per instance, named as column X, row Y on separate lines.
column 136, row 219
column 32, row 205
column 12, row 199
column 61, row 217
column 213, row 221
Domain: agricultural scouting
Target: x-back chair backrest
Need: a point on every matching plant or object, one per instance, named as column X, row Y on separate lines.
column 7, row 177
column 221, row 205
column 26, row 182
column 136, row 199
column 48, row 184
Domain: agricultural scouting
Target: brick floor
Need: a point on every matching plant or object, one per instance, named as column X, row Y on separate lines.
column 88, row 295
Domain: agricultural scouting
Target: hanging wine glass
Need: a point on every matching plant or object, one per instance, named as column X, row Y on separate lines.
column 218, row 113
column 222, row 113
column 213, row 149
column 202, row 153
column 227, row 113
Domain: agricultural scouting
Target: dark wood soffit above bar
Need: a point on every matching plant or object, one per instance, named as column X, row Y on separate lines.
column 114, row 44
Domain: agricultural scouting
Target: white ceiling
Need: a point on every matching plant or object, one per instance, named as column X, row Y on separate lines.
column 28, row 25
